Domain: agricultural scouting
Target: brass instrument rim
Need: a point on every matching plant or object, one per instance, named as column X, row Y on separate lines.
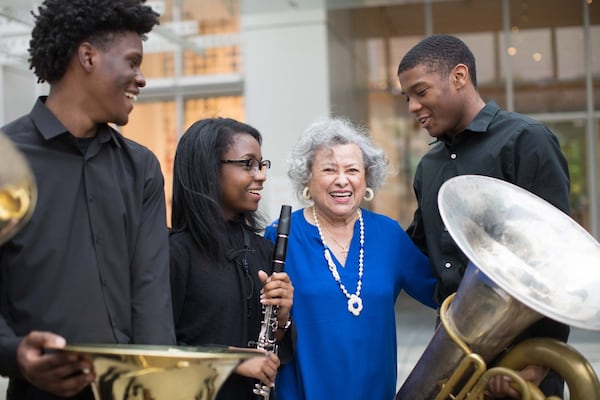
column 172, row 352
column 471, row 188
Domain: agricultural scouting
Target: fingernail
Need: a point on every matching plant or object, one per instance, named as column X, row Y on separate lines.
column 60, row 341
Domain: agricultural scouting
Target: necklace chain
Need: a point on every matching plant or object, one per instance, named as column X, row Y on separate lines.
column 345, row 249
column 355, row 305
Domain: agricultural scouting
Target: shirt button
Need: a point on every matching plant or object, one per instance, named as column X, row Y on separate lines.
column 453, row 156
column 448, row 265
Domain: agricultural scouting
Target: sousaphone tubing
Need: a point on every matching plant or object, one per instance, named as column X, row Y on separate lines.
column 528, row 259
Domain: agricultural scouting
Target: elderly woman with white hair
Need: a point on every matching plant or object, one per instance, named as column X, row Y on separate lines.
column 348, row 265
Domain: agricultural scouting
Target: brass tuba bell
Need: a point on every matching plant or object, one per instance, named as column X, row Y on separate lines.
column 18, row 191
column 527, row 260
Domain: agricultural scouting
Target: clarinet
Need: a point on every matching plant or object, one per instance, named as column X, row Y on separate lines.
column 266, row 338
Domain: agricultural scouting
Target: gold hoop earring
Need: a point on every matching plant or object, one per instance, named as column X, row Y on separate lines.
column 369, row 194
column 306, row 194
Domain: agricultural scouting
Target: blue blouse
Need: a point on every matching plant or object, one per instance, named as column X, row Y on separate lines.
column 339, row 355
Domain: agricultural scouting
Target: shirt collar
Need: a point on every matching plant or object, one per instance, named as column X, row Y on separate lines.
column 479, row 124
column 483, row 119
column 50, row 127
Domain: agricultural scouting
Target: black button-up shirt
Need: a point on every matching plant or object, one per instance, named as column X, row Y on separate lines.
column 499, row 144
column 92, row 264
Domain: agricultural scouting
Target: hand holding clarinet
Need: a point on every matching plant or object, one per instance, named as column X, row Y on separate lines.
column 277, row 298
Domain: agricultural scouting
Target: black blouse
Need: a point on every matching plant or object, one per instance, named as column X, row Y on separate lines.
column 218, row 303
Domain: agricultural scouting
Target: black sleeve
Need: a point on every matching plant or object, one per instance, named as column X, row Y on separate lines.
column 287, row 346
column 546, row 327
column 179, row 272
column 541, row 167
column 416, row 230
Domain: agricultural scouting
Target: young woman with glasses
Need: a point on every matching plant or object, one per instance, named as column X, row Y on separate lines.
column 221, row 270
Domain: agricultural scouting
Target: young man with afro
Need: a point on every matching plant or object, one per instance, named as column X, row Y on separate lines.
column 91, row 266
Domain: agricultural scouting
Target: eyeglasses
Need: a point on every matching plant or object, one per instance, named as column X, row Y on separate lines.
column 252, row 165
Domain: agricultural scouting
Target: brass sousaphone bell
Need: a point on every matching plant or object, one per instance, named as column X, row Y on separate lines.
column 527, row 260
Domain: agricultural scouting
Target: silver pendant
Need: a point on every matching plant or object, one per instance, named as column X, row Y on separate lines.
column 355, row 305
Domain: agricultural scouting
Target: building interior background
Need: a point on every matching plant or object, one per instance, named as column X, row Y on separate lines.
column 280, row 64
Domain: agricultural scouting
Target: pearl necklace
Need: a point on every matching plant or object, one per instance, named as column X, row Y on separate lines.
column 355, row 304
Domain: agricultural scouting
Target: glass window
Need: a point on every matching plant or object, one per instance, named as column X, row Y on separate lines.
column 209, row 33
column 376, row 68
column 569, row 47
column 157, row 64
column 153, row 125
column 218, row 29
column 530, row 54
column 217, row 60
column 399, row 46
column 483, row 47
column 547, row 67
column 572, row 136
column 223, row 106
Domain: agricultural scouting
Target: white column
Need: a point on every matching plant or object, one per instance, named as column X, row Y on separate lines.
column 286, row 83
column 18, row 91
column 2, row 97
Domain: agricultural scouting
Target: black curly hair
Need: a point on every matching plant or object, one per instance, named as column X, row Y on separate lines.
column 62, row 25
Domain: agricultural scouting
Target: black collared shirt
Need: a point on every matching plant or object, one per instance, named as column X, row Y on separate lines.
column 92, row 264
column 228, row 295
column 498, row 144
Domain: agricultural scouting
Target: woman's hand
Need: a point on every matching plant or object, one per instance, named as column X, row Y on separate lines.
column 277, row 290
column 59, row 373
column 263, row 368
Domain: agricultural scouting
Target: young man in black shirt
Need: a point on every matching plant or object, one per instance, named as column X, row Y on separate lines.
column 438, row 80
column 91, row 266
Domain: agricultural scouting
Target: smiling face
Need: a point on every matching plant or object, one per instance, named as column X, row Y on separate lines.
column 338, row 181
column 116, row 77
column 436, row 101
column 241, row 185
